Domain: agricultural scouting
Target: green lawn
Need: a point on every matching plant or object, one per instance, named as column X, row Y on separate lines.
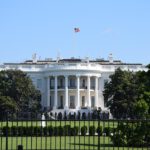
column 70, row 143
column 62, row 123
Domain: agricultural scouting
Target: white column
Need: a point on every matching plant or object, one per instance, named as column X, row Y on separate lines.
column 88, row 91
column 55, row 99
column 48, row 92
column 66, row 92
column 96, row 91
column 101, row 88
column 78, row 93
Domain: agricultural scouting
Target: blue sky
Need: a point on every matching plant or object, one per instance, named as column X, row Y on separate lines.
column 46, row 27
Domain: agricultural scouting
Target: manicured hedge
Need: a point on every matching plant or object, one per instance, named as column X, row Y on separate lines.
column 83, row 130
column 99, row 130
column 92, row 130
column 66, row 130
column 108, row 130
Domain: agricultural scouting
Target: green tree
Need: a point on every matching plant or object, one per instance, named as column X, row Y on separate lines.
column 7, row 104
column 22, row 94
column 121, row 93
column 141, row 108
column 144, row 83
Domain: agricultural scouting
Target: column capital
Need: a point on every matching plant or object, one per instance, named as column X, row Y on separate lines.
column 98, row 76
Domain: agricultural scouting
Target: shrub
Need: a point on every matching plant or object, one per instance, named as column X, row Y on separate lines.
column 74, row 131
column 13, row 130
column 37, row 131
column 94, row 115
column 0, row 131
column 108, row 130
column 99, row 130
column 60, row 131
column 55, row 131
column 20, row 130
column 65, row 116
column 67, row 130
column 6, row 131
column 78, row 116
column 84, row 116
column 83, row 130
column 45, row 131
column 29, row 131
column 131, row 134
column 50, row 130
column 92, row 130
column 119, row 139
column 59, row 117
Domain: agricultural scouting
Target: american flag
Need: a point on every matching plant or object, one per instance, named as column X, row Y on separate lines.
column 76, row 30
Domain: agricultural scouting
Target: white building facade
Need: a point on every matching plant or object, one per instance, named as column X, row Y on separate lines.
column 71, row 84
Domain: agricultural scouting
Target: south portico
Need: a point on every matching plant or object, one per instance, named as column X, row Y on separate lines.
column 72, row 91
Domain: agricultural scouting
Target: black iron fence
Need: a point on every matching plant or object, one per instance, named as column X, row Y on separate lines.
column 73, row 132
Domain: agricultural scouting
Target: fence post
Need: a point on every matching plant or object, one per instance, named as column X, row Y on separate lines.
column 20, row 147
column 6, row 130
column 98, row 129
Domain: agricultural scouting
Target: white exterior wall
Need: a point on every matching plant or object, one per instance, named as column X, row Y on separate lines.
column 38, row 72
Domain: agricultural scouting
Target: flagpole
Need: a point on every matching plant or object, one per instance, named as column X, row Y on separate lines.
column 73, row 41
column 76, row 30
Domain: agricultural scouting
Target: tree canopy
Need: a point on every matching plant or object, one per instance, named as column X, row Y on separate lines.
column 128, row 93
column 17, row 92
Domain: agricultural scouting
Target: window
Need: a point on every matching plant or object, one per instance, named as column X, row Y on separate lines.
column 83, row 101
column 92, row 101
column 61, row 101
column 72, row 102
column 61, row 82
column 52, row 83
column 72, row 82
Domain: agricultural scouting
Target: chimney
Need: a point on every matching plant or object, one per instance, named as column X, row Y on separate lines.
column 34, row 59
column 110, row 58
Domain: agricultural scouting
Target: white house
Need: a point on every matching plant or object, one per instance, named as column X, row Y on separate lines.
column 71, row 84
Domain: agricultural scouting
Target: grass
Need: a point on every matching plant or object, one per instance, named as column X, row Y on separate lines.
column 64, row 143
column 62, row 123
